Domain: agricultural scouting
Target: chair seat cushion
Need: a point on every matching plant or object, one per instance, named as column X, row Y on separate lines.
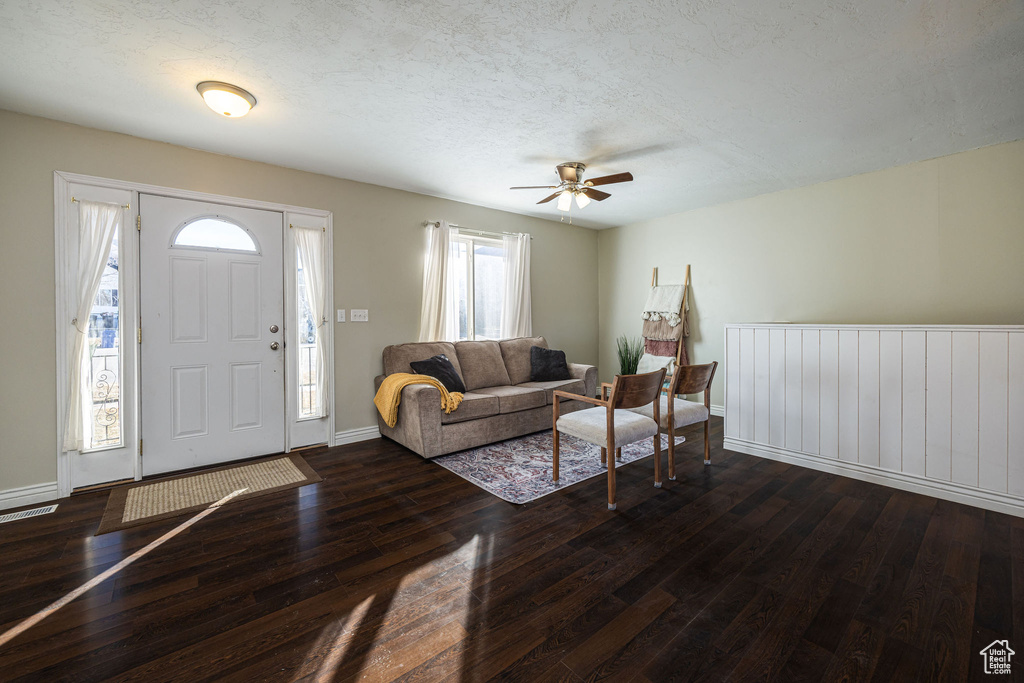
column 575, row 386
column 591, row 425
column 473, row 406
column 514, row 399
column 686, row 412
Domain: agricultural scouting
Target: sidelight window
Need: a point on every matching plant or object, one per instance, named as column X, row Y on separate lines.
column 103, row 420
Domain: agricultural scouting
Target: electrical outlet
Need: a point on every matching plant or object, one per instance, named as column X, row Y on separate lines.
column 360, row 315
column 341, row 315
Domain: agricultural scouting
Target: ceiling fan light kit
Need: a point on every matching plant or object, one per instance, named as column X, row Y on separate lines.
column 571, row 184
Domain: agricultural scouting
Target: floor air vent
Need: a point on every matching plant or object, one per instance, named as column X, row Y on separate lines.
column 24, row 514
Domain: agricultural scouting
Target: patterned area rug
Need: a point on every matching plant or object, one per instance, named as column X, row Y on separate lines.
column 519, row 470
column 152, row 501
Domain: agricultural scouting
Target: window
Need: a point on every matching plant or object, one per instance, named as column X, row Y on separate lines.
column 479, row 270
column 308, row 367
column 214, row 232
column 102, row 422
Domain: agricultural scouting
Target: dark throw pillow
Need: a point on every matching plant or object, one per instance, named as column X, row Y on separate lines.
column 547, row 364
column 441, row 369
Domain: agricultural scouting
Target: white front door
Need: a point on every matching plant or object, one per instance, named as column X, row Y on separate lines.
column 212, row 314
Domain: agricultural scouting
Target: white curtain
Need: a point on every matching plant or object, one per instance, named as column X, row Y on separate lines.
column 437, row 319
column 312, row 252
column 517, row 310
column 98, row 223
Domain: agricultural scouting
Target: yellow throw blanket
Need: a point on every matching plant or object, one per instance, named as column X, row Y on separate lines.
column 390, row 394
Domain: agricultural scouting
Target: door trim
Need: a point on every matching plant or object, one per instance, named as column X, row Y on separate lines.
column 62, row 258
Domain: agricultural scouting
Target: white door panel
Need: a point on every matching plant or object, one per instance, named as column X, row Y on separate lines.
column 213, row 386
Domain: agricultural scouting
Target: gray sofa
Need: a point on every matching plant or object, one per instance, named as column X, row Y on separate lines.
column 500, row 400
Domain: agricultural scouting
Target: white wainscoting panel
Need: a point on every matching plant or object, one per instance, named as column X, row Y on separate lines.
column 993, row 412
column 890, row 400
column 1015, row 407
column 913, row 429
column 938, row 404
column 810, row 409
column 777, row 387
column 868, row 417
column 746, row 402
column 762, row 387
column 732, row 392
column 933, row 409
column 828, row 393
column 963, row 444
column 793, row 413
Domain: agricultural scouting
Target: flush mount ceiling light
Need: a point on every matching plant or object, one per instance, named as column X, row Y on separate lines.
column 226, row 99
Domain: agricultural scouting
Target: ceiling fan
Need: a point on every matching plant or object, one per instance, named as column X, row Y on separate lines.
column 572, row 185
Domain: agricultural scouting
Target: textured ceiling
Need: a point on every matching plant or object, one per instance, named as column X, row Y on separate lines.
column 703, row 101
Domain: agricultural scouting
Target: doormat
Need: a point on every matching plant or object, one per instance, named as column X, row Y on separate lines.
column 147, row 502
column 519, row 470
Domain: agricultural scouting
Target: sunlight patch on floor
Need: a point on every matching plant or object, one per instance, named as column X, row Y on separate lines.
column 100, row 578
column 400, row 645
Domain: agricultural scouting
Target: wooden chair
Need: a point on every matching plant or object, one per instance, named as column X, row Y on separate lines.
column 676, row 413
column 613, row 424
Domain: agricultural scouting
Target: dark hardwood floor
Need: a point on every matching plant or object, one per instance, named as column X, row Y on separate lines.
column 393, row 568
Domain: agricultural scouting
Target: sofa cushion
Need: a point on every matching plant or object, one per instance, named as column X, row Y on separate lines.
column 397, row 358
column 481, row 364
column 516, row 354
column 514, row 399
column 473, row 406
column 547, row 365
column 576, row 386
column 441, row 369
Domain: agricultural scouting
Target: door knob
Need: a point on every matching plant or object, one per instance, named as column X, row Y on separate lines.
column 273, row 328
column 274, row 346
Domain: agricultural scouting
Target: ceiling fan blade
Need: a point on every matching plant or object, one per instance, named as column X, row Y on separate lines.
column 535, row 187
column 548, row 199
column 599, row 195
column 609, row 179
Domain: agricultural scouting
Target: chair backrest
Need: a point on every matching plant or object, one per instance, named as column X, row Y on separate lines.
column 631, row 391
column 693, row 379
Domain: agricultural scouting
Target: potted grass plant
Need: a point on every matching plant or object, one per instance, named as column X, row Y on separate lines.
column 630, row 350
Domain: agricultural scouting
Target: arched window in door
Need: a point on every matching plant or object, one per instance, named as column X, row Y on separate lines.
column 216, row 233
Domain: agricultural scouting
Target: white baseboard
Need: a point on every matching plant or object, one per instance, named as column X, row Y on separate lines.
column 354, row 435
column 958, row 493
column 27, row 495
column 717, row 411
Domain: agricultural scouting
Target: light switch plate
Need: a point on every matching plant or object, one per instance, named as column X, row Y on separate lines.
column 360, row 315
column 341, row 315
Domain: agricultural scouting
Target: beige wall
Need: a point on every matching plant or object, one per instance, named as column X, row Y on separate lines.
column 941, row 241
column 378, row 246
